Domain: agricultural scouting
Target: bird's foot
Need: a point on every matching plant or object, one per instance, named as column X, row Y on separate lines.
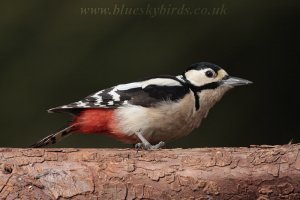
column 148, row 146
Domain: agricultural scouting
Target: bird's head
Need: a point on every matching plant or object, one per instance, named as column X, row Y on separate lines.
column 210, row 76
column 210, row 81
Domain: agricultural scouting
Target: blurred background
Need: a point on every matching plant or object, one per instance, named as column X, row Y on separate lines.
column 57, row 52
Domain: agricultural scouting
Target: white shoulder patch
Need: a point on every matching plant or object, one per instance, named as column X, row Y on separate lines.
column 161, row 81
column 128, row 86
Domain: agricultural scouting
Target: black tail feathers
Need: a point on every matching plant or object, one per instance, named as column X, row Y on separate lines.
column 54, row 138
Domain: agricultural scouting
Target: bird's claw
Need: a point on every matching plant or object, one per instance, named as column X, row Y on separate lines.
column 149, row 146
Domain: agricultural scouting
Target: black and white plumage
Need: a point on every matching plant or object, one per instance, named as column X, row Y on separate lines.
column 146, row 93
column 151, row 111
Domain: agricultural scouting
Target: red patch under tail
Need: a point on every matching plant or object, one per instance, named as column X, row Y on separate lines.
column 101, row 120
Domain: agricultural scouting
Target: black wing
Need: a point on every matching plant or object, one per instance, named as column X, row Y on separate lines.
column 137, row 93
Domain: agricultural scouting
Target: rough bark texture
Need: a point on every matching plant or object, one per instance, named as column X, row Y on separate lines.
column 262, row 172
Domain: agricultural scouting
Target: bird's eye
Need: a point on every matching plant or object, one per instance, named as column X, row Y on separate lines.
column 209, row 73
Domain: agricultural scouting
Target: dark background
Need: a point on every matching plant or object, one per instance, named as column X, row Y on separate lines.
column 51, row 55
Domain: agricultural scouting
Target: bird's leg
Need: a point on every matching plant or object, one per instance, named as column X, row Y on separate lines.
column 145, row 144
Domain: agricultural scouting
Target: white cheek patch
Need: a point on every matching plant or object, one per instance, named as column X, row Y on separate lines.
column 198, row 77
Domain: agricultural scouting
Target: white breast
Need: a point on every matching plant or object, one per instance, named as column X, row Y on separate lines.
column 165, row 122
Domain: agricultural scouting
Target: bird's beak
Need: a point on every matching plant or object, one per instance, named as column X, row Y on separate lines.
column 234, row 81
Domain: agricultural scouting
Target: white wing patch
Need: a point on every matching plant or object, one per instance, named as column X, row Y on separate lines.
column 115, row 96
column 110, row 103
column 97, row 94
column 81, row 104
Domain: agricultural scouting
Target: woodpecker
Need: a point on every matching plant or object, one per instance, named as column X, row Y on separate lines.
column 150, row 112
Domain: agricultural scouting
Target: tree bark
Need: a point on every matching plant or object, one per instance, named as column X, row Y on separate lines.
column 261, row 172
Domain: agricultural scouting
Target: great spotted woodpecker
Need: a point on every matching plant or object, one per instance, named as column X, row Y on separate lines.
column 149, row 112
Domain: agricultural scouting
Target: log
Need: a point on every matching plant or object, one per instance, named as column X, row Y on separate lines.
column 261, row 172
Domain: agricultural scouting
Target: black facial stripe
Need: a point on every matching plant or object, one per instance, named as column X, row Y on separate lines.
column 196, row 89
column 208, row 86
column 212, row 85
column 197, row 102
